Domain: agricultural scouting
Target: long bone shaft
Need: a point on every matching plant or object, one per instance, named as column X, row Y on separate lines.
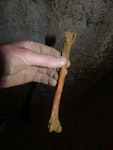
column 54, row 123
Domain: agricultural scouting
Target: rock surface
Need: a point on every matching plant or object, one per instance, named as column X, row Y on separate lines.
column 90, row 19
column 86, row 116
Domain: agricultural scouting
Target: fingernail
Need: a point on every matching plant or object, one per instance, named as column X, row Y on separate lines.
column 62, row 61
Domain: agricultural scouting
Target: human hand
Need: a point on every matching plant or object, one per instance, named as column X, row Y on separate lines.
column 28, row 61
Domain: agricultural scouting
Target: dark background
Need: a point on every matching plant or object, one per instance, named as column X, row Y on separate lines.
column 86, row 117
column 86, row 110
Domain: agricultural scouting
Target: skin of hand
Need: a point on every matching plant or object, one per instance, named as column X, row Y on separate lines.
column 28, row 61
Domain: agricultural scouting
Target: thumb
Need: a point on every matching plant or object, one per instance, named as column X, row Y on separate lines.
column 48, row 61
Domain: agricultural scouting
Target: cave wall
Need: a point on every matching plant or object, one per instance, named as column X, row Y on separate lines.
column 86, row 119
column 90, row 19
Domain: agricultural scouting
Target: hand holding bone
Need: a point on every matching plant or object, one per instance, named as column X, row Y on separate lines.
column 27, row 61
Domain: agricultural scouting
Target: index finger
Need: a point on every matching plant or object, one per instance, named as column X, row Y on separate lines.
column 38, row 48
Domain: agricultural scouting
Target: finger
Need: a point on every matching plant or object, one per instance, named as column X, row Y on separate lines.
column 43, row 78
column 34, row 59
column 38, row 47
column 49, row 72
column 68, row 65
column 52, row 73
